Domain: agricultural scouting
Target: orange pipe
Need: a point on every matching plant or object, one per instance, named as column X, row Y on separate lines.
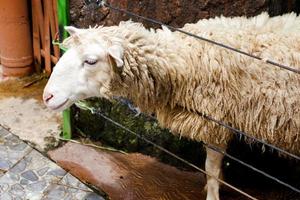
column 15, row 38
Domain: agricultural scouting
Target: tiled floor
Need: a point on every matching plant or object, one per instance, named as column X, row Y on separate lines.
column 27, row 174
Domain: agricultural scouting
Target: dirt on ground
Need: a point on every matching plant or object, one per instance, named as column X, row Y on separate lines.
column 27, row 87
column 24, row 114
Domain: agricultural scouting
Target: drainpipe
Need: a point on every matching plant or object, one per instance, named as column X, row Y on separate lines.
column 63, row 20
column 15, row 38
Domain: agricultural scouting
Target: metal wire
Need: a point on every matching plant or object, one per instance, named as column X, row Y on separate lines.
column 103, row 3
column 251, row 167
column 128, row 104
column 97, row 112
column 236, row 131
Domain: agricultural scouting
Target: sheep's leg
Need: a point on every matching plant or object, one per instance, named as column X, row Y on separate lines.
column 213, row 166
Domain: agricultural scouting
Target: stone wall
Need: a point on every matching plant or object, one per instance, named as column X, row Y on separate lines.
column 175, row 12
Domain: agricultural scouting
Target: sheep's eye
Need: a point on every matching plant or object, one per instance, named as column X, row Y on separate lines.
column 90, row 61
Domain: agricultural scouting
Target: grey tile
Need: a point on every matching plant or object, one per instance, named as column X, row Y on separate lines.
column 56, row 172
column 92, row 196
column 6, row 196
column 37, row 186
column 30, row 175
column 25, row 179
column 1, row 173
column 70, row 180
column 42, row 172
column 12, row 149
column 70, row 188
column 3, row 131
column 57, row 192
column 27, row 174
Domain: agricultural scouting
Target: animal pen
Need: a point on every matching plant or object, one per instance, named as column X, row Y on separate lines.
column 238, row 132
column 45, row 28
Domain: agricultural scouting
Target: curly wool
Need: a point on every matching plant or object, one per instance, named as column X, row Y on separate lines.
column 174, row 75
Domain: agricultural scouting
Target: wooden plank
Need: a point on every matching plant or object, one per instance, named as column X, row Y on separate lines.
column 47, row 44
column 40, row 19
column 54, row 59
column 53, row 28
column 55, row 16
column 55, row 10
column 36, row 39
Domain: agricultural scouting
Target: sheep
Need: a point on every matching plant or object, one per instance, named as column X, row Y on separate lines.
column 177, row 76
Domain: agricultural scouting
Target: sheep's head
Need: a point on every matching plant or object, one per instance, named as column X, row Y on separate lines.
column 85, row 70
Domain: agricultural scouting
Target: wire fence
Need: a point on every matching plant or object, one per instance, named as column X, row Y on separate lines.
column 234, row 130
column 212, row 147
column 153, row 21
column 221, row 151
column 99, row 113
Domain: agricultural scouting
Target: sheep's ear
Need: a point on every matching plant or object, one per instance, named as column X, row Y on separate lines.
column 72, row 30
column 116, row 52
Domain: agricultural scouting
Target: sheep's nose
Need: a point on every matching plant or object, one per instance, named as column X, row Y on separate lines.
column 47, row 97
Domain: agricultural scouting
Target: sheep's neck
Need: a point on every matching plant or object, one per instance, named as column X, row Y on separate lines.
column 154, row 69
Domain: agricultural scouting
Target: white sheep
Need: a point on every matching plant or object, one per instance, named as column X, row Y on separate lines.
column 175, row 76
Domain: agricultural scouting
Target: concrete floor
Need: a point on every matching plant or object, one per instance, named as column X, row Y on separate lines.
column 24, row 114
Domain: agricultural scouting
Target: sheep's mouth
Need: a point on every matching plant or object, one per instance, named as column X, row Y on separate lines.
column 60, row 105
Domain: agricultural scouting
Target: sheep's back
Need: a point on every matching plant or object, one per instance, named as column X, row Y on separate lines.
column 258, row 98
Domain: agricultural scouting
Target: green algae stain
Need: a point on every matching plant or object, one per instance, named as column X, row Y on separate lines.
column 108, row 134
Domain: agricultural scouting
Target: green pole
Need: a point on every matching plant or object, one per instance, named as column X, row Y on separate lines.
column 63, row 20
column 63, row 17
